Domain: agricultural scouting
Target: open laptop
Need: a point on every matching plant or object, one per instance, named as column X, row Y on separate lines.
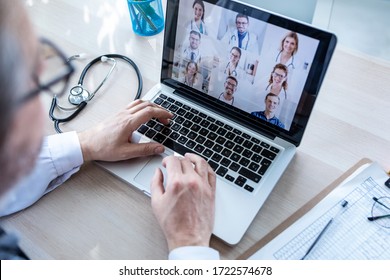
column 218, row 91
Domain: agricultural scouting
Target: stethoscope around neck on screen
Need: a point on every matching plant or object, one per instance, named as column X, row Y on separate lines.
column 233, row 38
column 79, row 96
column 288, row 65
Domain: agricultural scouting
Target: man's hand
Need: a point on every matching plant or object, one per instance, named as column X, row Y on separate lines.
column 111, row 140
column 185, row 209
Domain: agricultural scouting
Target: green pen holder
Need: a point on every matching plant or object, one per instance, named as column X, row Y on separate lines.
column 147, row 16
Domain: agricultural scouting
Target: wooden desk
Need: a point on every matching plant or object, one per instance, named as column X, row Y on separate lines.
column 96, row 216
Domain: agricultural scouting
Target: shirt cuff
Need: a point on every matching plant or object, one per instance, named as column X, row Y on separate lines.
column 65, row 151
column 193, row 253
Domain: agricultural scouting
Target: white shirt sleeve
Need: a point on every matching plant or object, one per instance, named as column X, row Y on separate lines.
column 60, row 157
column 193, row 253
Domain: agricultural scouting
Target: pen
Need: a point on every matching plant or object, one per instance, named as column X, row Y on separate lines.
column 343, row 204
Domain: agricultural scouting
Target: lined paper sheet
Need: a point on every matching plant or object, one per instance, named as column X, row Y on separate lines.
column 350, row 235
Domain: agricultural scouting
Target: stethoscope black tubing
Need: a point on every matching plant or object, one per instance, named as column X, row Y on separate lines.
column 83, row 104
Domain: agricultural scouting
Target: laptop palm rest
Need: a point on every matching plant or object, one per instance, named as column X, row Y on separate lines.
column 144, row 177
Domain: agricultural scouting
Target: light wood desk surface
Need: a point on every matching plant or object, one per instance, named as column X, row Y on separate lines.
column 96, row 216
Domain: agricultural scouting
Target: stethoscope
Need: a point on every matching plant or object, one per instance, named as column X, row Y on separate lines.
column 285, row 93
column 201, row 28
column 234, row 38
column 290, row 64
column 233, row 73
column 221, row 95
column 79, row 96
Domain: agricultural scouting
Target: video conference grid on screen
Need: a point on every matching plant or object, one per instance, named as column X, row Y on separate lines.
column 252, row 65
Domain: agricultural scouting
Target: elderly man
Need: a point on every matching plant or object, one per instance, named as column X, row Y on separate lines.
column 33, row 165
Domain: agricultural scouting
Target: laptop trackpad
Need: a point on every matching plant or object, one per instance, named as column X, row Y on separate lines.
column 144, row 177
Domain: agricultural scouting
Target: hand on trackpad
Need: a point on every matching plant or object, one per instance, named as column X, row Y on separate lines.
column 146, row 174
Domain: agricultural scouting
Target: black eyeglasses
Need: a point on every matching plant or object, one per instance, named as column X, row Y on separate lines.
column 380, row 212
column 56, row 72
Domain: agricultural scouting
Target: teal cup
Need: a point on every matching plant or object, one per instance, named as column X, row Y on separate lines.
column 147, row 16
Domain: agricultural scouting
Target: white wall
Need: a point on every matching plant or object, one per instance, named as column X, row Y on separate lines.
column 298, row 9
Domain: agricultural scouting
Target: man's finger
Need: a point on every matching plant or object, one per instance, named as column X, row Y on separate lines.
column 156, row 185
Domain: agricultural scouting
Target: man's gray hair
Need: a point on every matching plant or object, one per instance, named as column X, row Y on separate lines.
column 14, row 66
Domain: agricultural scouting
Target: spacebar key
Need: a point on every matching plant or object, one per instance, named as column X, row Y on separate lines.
column 169, row 143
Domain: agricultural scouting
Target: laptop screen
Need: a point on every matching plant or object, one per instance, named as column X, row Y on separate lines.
column 253, row 66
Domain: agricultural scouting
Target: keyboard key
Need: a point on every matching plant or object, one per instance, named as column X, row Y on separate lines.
column 211, row 119
column 229, row 178
column 217, row 148
column 229, row 144
column 216, row 157
column 166, row 131
column 208, row 153
column 228, row 127
column 265, row 164
column 199, row 149
column 239, row 140
column 234, row 166
column 200, row 139
column 195, row 127
column 192, row 135
column 256, row 158
column 189, row 115
column 142, row 129
column 212, row 136
column 213, row 165
column 226, row 162
column 248, row 188
column 197, row 119
column 220, row 140
column 203, row 131
column 226, row 152
column 230, row 135
column 268, row 154
column 221, row 171
column 150, row 133
column 249, row 174
column 253, row 166
column 235, row 157
column 208, row 144
column 182, row 139
column 246, row 153
column 191, row 144
column 246, row 136
column 265, row 145
column 174, row 135
column 240, row 181
column 221, row 131
column 257, row 149
column 248, row 144
column 238, row 149
column 244, row 162
column 275, row 150
column 158, row 101
column 159, row 138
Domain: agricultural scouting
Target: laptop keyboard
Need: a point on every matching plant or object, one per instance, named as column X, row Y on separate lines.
column 234, row 155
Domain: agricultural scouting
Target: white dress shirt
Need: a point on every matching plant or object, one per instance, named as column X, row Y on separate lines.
column 60, row 157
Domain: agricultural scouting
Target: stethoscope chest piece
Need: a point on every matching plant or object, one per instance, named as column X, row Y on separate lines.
column 78, row 94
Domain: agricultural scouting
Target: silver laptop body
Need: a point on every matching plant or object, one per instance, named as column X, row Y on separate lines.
column 249, row 154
